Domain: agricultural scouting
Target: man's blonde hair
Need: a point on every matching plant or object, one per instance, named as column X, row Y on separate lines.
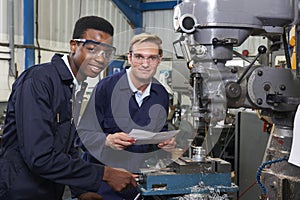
column 146, row 37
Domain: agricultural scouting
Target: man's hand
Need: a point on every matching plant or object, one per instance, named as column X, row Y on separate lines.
column 119, row 141
column 168, row 145
column 119, row 179
column 90, row 196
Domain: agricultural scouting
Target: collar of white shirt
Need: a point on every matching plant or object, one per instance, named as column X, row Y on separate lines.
column 139, row 95
column 75, row 82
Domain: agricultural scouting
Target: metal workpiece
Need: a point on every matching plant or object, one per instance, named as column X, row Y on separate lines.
column 199, row 154
column 185, row 165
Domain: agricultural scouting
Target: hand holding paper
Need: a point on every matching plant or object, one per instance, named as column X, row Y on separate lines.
column 119, row 140
column 147, row 137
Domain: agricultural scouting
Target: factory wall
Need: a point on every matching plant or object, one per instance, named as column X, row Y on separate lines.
column 55, row 20
column 160, row 22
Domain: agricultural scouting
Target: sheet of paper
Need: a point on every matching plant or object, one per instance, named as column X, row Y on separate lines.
column 147, row 137
column 295, row 151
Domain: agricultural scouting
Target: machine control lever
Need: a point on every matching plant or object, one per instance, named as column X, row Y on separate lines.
column 261, row 50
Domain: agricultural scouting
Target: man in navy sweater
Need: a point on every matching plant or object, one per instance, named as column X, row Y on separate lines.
column 130, row 99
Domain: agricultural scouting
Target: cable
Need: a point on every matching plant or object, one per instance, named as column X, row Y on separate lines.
column 37, row 30
column 226, row 144
column 261, row 167
column 246, row 190
column 80, row 6
column 286, row 49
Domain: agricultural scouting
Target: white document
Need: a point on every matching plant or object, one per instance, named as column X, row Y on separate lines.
column 295, row 151
column 147, row 137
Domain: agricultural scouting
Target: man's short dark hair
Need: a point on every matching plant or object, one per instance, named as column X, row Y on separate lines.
column 92, row 22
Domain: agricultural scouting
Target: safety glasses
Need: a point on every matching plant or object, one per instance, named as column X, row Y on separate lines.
column 98, row 48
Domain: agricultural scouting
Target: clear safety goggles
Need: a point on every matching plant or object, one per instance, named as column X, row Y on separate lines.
column 139, row 58
column 98, row 48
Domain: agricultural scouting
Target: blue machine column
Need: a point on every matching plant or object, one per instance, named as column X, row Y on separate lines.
column 28, row 22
